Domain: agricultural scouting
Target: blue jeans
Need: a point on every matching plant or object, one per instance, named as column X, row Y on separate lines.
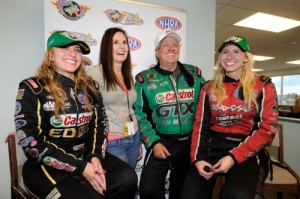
column 127, row 148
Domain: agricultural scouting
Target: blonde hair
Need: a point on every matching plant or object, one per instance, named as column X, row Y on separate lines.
column 246, row 77
column 83, row 82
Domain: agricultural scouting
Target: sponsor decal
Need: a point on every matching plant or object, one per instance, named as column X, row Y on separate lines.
column 232, row 108
column 70, row 120
column 58, row 164
column 229, row 117
column 19, row 116
column 33, row 143
column 82, row 130
column 26, row 141
column 33, row 152
column 166, row 22
column 151, row 76
column 48, row 106
column 80, row 97
column 155, row 80
column 18, row 107
column 20, row 123
column 249, row 155
column 41, row 154
column 78, row 147
column 122, row 17
column 68, row 105
column 20, row 94
column 21, row 134
column 140, row 78
column 151, row 87
column 167, row 97
column 33, row 84
column 134, row 43
column 171, row 109
column 49, row 97
column 70, row 9
column 164, row 84
column 63, row 132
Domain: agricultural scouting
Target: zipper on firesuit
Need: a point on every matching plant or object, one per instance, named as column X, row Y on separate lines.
column 174, row 84
column 73, row 95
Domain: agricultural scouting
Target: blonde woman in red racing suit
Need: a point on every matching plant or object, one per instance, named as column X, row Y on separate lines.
column 236, row 119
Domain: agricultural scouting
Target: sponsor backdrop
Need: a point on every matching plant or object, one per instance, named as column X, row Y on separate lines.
column 90, row 18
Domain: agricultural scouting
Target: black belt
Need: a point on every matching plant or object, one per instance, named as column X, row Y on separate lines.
column 176, row 137
column 228, row 136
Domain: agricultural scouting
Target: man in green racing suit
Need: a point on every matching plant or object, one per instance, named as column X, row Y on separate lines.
column 167, row 96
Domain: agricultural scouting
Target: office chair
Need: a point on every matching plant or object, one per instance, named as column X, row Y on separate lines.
column 283, row 179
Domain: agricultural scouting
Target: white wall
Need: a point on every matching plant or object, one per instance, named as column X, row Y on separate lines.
column 22, row 50
column 22, row 46
column 291, row 137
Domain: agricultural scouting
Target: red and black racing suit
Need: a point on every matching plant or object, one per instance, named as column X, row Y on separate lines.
column 238, row 131
column 58, row 148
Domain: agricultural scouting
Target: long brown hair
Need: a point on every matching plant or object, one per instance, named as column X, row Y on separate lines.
column 246, row 77
column 106, row 60
column 83, row 82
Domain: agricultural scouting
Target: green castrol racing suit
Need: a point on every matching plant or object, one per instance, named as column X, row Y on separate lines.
column 166, row 106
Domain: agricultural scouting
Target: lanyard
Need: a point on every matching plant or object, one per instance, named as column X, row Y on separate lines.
column 126, row 91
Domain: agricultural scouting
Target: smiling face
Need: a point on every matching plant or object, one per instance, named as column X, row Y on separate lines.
column 120, row 48
column 67, row 59
column 168, row 53
column 232, row 60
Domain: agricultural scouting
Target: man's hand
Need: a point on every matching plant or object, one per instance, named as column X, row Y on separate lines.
column 160, row 151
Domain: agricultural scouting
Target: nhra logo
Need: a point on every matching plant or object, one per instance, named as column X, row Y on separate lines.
column 166, row 97
column 70, row 120
column 166, row 22
column 134, row 43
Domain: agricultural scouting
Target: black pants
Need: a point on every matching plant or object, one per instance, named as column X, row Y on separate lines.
column 121, row 181
column 153, row 177
column 243, row 181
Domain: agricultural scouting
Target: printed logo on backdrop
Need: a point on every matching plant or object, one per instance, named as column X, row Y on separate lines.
column 122, row 17
column 165, row 22
column 70, row 9
column 134, row 43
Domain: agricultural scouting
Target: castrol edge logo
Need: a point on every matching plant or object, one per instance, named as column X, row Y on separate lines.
column 167, row 97
column 70, row 120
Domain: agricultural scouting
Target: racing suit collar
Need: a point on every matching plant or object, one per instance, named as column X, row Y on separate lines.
column 166, row 72
column 229, row 79
column 64, row 80
column 189, row 78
